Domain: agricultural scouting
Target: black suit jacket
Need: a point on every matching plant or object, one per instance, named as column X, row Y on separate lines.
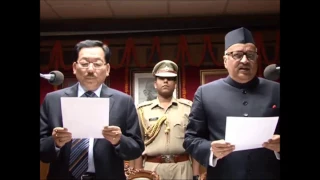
column 212, row 103
column 108, row 159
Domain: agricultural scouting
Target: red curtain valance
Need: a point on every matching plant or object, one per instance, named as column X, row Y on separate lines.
column 183, row 55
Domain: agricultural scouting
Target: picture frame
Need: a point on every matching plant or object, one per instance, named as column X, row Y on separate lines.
column 142, row 79
column 209, row 75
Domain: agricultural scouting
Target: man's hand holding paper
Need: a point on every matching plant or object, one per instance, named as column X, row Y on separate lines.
column 61, row 136
column 112, row 134
column 221, row 148
column 273, row 143
column 252, row 132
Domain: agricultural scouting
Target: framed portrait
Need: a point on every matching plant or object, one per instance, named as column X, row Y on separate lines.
column 142, row 85
column 209, row 75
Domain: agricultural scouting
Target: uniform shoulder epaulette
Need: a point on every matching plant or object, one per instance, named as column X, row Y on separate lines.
column 185, row 101
column 145, row 103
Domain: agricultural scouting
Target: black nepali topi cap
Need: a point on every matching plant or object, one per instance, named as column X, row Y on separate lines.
column 240, row 35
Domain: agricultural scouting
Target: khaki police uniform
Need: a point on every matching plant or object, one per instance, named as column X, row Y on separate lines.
column 163, row 132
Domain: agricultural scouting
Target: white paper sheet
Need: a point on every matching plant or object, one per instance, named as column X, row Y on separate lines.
column 85, row 117
column 249, row 132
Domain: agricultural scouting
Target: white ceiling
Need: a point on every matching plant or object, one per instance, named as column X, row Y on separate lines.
column 84, row 9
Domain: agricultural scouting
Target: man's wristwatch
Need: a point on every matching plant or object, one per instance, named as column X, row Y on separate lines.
column 196, row 177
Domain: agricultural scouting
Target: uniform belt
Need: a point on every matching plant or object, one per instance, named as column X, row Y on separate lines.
column 168, row 158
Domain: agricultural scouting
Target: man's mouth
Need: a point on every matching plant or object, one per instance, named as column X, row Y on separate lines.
column 244, row 69
column 90, row 77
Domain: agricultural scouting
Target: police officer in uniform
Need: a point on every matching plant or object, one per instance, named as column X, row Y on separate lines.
column 241, row 93
column 163, row 122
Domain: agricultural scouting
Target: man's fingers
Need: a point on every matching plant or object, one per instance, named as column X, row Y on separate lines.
column 270, row 141
column 60, row 129
column 270, row 145
column 63, row 134
column 65, row 139
column 224, row 150
column 111, row 131
column 220, row 143
column 222, row 154
column 273, row 147
column 228, row 149
column 111, row 128
column 116, row 132
column 109, row 134
column 220, row 146
column 274, row 139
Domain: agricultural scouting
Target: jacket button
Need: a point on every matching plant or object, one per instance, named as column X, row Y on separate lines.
column 244, row 91
column 245, row 103
column 245, row 115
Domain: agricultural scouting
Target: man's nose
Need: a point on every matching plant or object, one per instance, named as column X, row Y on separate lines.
column 244, row 59
column 90, row 68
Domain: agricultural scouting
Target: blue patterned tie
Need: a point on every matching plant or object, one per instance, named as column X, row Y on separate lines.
column 78, row 163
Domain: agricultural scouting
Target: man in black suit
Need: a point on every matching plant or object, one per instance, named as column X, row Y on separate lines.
column 242, row 93
column 100, row 158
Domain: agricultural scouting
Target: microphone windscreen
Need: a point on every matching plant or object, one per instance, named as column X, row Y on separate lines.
column 271, row 73
column 58, row 78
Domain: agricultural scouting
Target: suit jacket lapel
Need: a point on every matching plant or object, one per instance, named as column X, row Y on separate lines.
column 72, row 91
column 106, row 93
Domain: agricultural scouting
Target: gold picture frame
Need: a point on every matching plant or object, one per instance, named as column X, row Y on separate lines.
column 209, row 75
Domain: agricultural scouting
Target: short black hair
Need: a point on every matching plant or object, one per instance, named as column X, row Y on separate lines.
column 93, row 43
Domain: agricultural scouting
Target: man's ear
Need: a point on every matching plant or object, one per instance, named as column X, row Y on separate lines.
column 225, row 59
column 107, row 69
column 74, row 68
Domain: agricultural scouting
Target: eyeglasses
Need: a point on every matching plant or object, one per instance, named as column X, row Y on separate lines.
column 96, row 65
column 238, row 55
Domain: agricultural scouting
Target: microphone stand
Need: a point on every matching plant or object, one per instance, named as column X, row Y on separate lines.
column 45, row 76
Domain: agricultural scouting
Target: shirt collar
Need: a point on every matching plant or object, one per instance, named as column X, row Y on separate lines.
column 81, row 90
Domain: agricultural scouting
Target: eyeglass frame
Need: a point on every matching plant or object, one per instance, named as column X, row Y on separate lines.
column 104, row 63
column 244, row 54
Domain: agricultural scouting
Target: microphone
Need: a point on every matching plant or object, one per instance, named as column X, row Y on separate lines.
column 272, row 72
column 54, row 77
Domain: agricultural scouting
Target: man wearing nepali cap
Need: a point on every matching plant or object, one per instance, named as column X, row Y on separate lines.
column 240, row 94
column 163, row 122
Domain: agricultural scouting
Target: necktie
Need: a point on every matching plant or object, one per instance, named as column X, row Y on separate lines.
column 89, row 94
column 78, row 163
